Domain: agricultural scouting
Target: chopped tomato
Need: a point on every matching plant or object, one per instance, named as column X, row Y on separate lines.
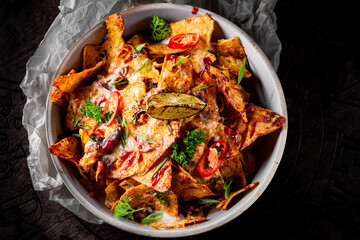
column 213, row 159
column 117, row 98
column 184, row 41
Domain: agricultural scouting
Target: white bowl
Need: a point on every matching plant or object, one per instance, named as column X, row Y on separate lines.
column 265, row 87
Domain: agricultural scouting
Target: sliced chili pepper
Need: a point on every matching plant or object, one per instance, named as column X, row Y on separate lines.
column 117, row 97
column 208, row 171
column 184, row 41
column 99, row 132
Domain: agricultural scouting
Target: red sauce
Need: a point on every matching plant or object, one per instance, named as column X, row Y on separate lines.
column 129, row 59
column 158, row 175
column 194, row 10
column 207, row 61
column 123, row 157
column 253, row 127
column 173, row 69
column 243, row 137
column 124, row 71
column 130, row 161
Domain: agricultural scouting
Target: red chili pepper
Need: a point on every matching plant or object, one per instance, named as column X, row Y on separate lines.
column 117, row 97
column 184, row 41
column 99, row 132
column 208, row 171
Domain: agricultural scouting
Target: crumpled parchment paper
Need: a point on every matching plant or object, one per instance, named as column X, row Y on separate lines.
column 75, row 19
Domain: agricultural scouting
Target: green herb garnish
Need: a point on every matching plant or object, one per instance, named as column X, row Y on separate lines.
column 147, row 69
column 180, row 61
column 242, row 70
column 138, row 48
column 120, row 82
column 125, row 132
column 159, row 166
column 93, row 111
column 226, row 186
column 152, row 218
column 77, row 122
column 123, row 208
column 159, row 28
column 206, row 200
column 162, row 197
column 147, row 139
column 191, row 140
column 76, row 135
column 205, row 86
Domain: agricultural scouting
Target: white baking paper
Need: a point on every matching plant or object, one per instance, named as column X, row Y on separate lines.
column 76, row 18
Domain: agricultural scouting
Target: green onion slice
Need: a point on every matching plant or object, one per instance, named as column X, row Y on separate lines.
column 152, row 217
column 242, row 70
column 207, row 200
column 147, row 139
column 180, row 61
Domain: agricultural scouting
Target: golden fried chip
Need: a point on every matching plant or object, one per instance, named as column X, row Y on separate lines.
column 113, row 193
column 59, row 98
column 203, row 26
column 66, row 148
column 261, row 121
column 231, row 54
column 187, row 186
column 69, row 83
column 114, row 44
column 223, row 204
column 159, row 180
column 234, row 93
column 144, row 196
column 178, row 78
column 91, row 56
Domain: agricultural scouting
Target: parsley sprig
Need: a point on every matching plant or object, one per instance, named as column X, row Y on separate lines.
column 92, row 110
column 77, row 122
column 159, row 28
column 123, row 208
column 182, row 153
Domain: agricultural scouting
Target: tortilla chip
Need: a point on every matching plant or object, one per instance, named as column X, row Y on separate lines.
column 233, row 168
column 113, row 193
column 68, row 83
column 203, row 26
column 114, row 44
column 209, row 94
column 66, row 148
column 91, row 56
column 144, row 196
column 128, row 183
column 248, row 160
column 187, row 186
column 234, row 93
column 160, row 180
column 231, row 54
column 59, row 98
column 223, row 204
column 180, row 77
column 261, row 122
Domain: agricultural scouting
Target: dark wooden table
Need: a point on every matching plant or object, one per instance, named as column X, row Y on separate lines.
column 315, row 193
